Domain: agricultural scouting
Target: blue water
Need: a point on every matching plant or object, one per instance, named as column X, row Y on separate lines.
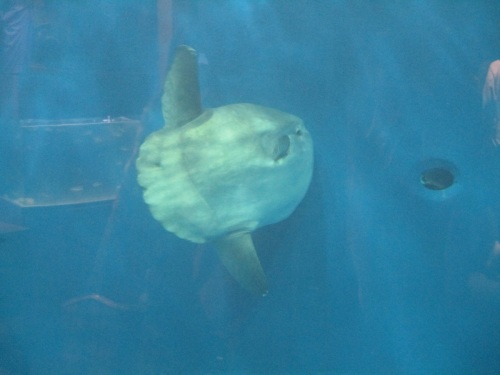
column 374, row 273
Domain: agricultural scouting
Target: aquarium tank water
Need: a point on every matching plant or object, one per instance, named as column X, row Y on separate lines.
column 249, row 187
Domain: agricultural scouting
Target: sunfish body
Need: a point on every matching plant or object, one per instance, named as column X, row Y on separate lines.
column 218, row 174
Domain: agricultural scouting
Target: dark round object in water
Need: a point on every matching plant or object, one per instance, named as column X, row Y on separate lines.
column 437, row 178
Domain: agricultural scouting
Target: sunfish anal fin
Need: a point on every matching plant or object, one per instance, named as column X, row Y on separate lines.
column 181, row 101
column 238, row 255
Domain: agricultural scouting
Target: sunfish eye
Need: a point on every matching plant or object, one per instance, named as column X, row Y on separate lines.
column 281, row 148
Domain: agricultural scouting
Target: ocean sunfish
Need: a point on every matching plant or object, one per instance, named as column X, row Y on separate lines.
column 219, row 174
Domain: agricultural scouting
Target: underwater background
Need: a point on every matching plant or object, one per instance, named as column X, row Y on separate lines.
column 390, row 264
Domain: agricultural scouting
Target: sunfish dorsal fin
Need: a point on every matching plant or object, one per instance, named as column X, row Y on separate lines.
column 181, row 98
column 238, row 255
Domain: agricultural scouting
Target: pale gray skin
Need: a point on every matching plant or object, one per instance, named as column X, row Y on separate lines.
column 219, row 174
